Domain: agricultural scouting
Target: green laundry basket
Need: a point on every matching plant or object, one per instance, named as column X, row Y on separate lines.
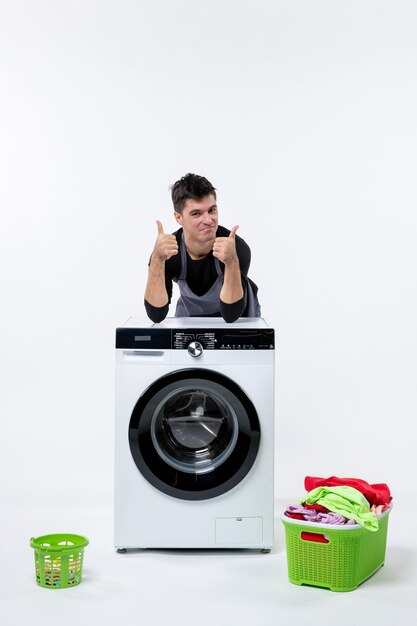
column 58, row 560
column 339, row 558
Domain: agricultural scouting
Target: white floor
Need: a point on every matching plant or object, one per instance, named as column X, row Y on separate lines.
column 158, row 587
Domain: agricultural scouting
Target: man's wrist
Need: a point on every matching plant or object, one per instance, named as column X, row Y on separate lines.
column 157, row 264
column 232, row 263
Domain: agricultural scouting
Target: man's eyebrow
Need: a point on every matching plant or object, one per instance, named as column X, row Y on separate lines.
column 213, row 206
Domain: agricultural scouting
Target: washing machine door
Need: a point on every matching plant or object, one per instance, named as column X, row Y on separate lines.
column 194, row 434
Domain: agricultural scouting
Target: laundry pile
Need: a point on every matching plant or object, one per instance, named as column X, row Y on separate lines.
column 336, row 500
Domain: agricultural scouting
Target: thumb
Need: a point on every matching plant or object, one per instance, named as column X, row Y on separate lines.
column 160, row 228
column 233, row 231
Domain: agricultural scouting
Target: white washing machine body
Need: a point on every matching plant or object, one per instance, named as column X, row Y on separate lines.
column 194, row 455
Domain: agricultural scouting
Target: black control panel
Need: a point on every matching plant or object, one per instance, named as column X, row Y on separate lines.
column 210, row 339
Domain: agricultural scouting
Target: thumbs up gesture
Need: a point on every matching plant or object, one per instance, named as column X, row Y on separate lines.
column 224, row 248
column 165, row 245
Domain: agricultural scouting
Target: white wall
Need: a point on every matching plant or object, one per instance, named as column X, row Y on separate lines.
column 303, row 114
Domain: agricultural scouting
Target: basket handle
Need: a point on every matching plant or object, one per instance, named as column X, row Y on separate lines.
column 317, row 537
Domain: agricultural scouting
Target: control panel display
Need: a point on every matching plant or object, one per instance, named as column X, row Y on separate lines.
column 216, row 339
column 182, row 339
column 226, row 340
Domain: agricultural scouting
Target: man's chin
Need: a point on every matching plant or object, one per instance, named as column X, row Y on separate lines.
column 209, row 238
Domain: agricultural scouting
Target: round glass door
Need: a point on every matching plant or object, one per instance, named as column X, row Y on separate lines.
column 194, row 429
column 194, row 434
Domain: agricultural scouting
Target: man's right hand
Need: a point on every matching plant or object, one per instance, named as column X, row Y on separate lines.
column 166, row 246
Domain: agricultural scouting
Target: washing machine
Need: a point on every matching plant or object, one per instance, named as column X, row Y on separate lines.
column 194, row 456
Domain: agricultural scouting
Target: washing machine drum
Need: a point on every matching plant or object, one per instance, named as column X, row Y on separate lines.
column 194, row 434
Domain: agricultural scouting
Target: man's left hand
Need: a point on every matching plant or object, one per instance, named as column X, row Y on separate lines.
column 224, row 248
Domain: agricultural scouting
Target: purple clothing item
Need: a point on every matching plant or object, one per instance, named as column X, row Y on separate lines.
column 330, row 518
column 311, row 515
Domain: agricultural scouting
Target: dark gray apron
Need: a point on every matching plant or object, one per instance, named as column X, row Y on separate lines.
column 191, row 305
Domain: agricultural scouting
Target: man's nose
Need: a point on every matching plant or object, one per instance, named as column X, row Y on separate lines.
column 207, row 218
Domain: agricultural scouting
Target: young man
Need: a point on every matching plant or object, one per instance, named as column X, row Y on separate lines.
column 208, row 262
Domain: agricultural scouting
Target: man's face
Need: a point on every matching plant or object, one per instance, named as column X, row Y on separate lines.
column 199, row 219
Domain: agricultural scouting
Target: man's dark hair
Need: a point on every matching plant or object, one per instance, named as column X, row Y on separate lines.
column 190, row 186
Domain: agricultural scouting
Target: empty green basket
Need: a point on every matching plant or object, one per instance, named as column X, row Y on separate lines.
column 339, row 558
column 58, row 560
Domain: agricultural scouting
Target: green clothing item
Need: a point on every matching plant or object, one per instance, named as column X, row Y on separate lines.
column 346, row 501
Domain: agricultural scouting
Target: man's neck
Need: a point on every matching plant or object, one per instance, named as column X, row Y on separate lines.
column 198, row 250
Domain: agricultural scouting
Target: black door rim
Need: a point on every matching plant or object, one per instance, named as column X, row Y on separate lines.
column 216, row 478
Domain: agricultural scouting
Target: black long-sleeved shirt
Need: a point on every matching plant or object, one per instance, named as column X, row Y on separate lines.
column 201, row 274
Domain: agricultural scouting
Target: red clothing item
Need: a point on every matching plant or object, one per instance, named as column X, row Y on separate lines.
column 375, row 494
column 316, row 507
column 294, row 515
column 318, row 538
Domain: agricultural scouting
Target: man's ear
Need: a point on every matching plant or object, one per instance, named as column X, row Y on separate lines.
column 178, row 217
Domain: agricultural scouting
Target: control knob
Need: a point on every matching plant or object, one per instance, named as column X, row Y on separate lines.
column 195, row 349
